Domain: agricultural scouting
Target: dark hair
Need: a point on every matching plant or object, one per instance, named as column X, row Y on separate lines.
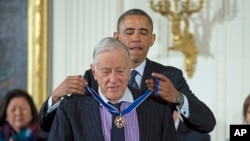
column 245, row 106
column 13, row 94
column 134, row 12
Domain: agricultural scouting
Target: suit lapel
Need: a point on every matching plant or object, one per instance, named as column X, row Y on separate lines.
column 142, row 113
column 182, row 131
column 146, row 75
column 141, row 119
column 182, row 128
column 91, row 114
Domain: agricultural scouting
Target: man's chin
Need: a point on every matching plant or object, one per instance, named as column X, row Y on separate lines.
column 114, row 96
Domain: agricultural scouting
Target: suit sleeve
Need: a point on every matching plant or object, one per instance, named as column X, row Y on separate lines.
column 46, row 119
column 201, row 117
column 60, row 129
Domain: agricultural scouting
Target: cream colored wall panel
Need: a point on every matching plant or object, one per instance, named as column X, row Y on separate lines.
column 77, row 26
column 246, row 46
column 59, row 61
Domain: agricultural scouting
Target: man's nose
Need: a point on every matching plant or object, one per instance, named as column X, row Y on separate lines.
column 136, row 37
column 113, row 77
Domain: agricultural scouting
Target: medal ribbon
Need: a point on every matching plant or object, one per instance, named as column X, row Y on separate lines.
column 115, row 111
column 156, row 86
column 131, row 107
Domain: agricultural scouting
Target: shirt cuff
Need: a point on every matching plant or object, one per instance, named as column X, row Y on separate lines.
column 184, row 111
column 52, row 107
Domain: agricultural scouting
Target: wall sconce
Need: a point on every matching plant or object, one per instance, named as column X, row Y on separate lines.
column 183, row 40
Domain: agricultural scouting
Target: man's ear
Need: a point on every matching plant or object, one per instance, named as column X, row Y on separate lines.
column 93, row 70
column 153, row 39
column 116, row 35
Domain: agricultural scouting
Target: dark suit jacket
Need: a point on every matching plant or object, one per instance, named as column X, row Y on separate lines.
column 201, row 117
column 79, row 119
column 187, row 134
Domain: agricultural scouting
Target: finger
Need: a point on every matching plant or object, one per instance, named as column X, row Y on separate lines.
column 153, row 85
column 84, row 81
column 76, row 80
column 72, row 84
column 149, row 81
column 163, row 95
column 76, row 87
column 159, row 76
column 76, row 90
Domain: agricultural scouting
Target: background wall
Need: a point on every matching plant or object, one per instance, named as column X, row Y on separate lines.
column 13, row 45
column 221, row 30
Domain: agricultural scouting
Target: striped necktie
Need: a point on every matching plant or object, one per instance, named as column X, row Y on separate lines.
column 117, row 134
column 132, row 81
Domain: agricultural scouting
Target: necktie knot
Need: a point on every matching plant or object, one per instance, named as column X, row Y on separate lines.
column 133, row 73
column 132, row 82
column 116, row 105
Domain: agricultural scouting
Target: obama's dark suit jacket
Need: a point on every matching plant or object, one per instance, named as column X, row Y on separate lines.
column 79, row 119
column 187, row 134
column 201, row 117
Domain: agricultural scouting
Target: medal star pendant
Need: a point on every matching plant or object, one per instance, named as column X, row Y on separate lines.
column 120, row 121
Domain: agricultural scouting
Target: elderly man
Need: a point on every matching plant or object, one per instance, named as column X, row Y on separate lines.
column 92, row 117
column 135, row 30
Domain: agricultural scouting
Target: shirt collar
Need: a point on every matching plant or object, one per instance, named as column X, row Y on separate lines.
column 140, row 68
column 127, row 97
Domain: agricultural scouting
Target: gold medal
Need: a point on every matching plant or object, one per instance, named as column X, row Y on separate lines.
column 120, row 121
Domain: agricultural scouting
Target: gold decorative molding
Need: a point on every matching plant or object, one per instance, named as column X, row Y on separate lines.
column 37, row 50
column 183, row 40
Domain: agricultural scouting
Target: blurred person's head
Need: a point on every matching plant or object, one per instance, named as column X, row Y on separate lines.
column 246, row 110
column 111, row 68
column 135, row 30
column 18, row 109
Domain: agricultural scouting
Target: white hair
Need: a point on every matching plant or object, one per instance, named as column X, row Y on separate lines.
column 109, row 44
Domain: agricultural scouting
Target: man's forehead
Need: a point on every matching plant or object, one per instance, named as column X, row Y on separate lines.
column 141, row 17
column 112, row 68
column 135, row 22
column 112, row 63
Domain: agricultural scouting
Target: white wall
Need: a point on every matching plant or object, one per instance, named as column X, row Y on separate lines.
column 221, row 30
